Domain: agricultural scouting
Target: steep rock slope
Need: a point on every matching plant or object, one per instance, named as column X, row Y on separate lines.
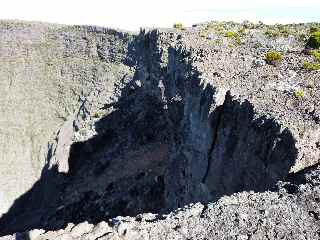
column 196, row 120
column 47, row 72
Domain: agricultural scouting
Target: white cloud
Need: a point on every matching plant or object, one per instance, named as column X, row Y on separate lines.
column 130, row 14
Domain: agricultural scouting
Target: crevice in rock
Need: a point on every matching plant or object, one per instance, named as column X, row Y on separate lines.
column 216, row 124
column 251, row 152
column 103, row 236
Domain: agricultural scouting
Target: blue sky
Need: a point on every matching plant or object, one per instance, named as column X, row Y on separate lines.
column 131, row 15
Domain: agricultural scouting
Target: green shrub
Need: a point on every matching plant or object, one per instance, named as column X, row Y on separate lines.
column 314, row 40
column 311, row 66
column 272, row 57
column 234, row 35
column 230, row 34
column 316, row 54
column 178, row 26
column 299, row 94
column 314, row 29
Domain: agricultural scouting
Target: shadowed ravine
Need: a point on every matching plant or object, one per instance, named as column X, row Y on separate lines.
column 164, row 144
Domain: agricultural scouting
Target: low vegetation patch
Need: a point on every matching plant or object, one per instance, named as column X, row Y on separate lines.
column 277, row 31
column 314, row 40
column 316, row 54
column 311, row 66
column 299, row 94
column 314, row 29
column 178, row 26
column 273, row 57
column 234, row 36
column 230, row 34
column 223, row 29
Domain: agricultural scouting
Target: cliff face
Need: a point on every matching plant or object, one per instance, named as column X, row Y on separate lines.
column 124, row 125
column 47, row 72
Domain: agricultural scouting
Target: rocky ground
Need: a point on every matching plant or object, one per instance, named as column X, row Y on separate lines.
column 188, row 133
